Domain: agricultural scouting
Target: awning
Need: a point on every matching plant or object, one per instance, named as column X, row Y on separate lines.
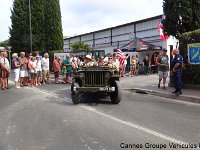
column 139, row 45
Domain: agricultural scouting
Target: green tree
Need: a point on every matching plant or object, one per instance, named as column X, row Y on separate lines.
column 38, row 26
column 181, row 16
column 5, row 43
column 19, row 27
column 53, row 25
column 79, row 46
column 46, row 25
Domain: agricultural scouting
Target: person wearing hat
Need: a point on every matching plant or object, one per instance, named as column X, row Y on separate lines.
column 163, row 67
column 88, row 61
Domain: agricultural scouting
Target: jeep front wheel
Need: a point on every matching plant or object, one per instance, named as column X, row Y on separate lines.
column 74, row 94
column 117, row 94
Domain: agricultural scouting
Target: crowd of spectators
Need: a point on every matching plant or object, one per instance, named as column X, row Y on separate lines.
column 34, row 71
column 26, row 69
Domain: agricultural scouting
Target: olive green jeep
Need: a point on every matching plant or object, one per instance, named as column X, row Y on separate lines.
column 101, row 79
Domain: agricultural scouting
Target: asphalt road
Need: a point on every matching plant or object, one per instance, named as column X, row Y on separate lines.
column 44, row 118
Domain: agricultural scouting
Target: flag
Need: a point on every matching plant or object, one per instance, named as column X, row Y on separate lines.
column 120, row 56
column 163, row 35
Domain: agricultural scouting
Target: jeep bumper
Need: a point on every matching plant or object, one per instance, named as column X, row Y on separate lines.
column 94, row 89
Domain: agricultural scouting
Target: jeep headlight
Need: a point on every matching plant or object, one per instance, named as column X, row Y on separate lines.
column 107, row 75
column 81, row 75
column 115, row 72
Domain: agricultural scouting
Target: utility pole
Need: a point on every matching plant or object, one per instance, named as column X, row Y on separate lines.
column 31, row 40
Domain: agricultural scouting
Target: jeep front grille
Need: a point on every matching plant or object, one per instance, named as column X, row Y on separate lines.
column 94, row 78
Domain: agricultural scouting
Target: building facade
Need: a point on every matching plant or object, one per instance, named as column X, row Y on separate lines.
column 115, row 37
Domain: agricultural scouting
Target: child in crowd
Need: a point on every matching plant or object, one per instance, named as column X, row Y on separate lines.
column 64, row 73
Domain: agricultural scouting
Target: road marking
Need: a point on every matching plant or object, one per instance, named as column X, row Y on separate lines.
column 127, row 123
column 133, row 125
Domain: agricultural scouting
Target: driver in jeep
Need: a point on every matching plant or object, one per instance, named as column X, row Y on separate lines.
column 111, row 63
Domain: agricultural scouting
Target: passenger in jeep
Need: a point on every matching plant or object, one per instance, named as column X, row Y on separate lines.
column 88, row 61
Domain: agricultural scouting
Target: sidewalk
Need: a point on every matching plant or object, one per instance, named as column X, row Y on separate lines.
column 149, row 85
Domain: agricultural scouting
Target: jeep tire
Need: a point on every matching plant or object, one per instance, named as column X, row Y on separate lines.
column 74, row 94
column 117, row 94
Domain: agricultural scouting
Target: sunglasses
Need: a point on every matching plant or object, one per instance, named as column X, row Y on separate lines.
column 110, row 58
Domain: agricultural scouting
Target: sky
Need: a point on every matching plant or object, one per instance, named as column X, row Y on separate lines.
column 83, row 16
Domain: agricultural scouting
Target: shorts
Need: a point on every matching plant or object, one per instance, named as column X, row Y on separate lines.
column 17, row 72
column 56, row 74
column 39, row 73
column 69, row 73
column 163, row 74
column 33, row 75
column 23, row 73
column 133, row 66
column 45, row 73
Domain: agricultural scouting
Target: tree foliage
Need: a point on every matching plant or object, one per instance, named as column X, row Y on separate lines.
column 79, row 45
column 181, row 16
column 5, row 43
column 38, row 34
column 19, row 28
column 46, row 25
column 53, row 26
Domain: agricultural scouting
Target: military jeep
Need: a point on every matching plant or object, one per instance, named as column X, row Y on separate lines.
column 101, row 79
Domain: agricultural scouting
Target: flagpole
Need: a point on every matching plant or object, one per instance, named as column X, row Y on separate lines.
column 30, row 25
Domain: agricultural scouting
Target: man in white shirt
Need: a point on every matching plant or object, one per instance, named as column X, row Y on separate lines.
column 45, row 68
column 23, row 70
column 73, row 58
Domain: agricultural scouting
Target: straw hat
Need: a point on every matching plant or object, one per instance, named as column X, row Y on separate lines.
column 89, row 57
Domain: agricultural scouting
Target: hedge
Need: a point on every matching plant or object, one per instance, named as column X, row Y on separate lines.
column 191, row 75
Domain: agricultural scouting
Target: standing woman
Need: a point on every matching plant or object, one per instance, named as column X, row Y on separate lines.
column 5, row 71
column 16, row 68
column 137, row 64
column 33, row 71
column 39, row 69
column 133, row 66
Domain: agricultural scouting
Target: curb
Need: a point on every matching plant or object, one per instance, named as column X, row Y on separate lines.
column 187, row 98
